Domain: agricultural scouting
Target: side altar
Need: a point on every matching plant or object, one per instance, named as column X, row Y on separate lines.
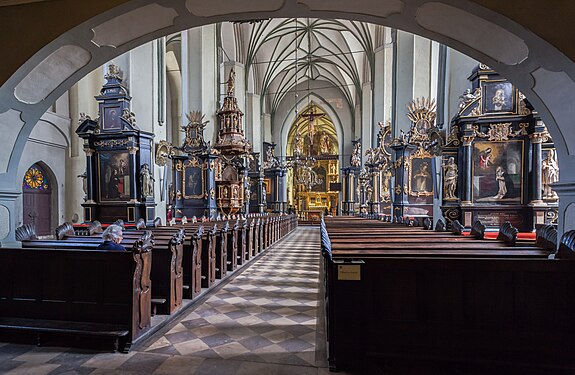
column 118, row 177
column 499, row 160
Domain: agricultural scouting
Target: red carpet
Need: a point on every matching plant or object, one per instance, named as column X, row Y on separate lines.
column 520, row 236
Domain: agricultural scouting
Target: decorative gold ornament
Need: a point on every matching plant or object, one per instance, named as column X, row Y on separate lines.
column 522, row 106
column 133, row 150
column 112, row 143
column 467, row 140
column 164, row 150
column 501, row 132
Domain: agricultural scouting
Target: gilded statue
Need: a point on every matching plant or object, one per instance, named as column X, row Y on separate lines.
column 324, row 143
column 356, row 155
column 231, row 82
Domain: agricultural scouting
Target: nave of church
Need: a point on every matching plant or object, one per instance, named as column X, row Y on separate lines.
column 430, row 140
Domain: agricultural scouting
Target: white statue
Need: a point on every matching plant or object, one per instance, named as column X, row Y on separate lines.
column 146, row 181
column 450, row 179
column 466, row 98
column 550, row 174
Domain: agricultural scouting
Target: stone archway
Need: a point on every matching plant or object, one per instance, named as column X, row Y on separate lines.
column 539, row 69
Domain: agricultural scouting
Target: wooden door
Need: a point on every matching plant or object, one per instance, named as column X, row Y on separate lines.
column 37, row 200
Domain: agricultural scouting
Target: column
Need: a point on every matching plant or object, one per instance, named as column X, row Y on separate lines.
column 89, row 175
column 467, row 167
column 349, row 190
column 134, row 174
column 262, row 203
column 536, row 182
column 211, row 208
column 375, row 185
column 178, row 202
column 200, row 82
column 400, row 201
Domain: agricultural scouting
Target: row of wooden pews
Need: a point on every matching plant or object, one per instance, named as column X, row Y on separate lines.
column 66, row 286
column 400, row 290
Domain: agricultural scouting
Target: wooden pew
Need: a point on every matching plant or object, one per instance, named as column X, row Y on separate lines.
column 100, row 294
column 469, row 304
column 166, row 272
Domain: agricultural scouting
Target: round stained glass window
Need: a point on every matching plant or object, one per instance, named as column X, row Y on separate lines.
column 35, row 179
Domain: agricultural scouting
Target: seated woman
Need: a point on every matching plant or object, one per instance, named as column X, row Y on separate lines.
column 112, row 238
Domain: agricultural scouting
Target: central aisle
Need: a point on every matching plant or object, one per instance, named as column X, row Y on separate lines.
column 262, row 322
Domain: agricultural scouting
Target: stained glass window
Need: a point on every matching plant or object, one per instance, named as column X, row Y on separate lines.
column 35, row 179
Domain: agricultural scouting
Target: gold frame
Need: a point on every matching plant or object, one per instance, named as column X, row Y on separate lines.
column 420, row 153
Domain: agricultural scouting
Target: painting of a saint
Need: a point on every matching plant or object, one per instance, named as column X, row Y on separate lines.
column 114, row 176
column 498, row 97
column 421, row 181
column 193, row 182
column 112, row 119
column 497, row 171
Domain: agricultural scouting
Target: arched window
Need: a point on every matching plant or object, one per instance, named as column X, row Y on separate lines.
column 35, row 179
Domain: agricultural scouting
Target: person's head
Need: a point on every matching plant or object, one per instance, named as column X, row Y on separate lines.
column 113, row 233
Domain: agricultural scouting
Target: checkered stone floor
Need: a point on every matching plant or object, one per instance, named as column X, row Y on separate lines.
column 264, row 321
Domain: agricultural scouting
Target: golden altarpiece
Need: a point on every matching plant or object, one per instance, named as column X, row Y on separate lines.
column 499, row 161
column 211, row 180
column 414, row 162
column 313, row 174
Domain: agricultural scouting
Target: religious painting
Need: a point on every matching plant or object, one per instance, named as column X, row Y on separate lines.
column 321, row 175
column 193, row 182
column 497, row 172
column 498, row 97
column 114, row 172
column 420, row 177
column 254, row 193
column 112, row 117
column 267, row 187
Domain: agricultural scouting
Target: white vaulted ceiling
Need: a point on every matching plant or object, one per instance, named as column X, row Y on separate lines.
column 278, row 53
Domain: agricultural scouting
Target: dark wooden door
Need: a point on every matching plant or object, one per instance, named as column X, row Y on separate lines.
column 38, row 210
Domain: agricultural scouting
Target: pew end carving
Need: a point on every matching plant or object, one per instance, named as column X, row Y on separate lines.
column 547, row 237
column 64, row 230
column 478, row 230
column 141, row 224
column 26, row 232
column 508, row 234
column 566, row 246
column 457, row 228
column 440, row 226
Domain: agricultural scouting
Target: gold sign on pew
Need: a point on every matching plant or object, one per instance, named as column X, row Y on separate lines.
column 349, row 272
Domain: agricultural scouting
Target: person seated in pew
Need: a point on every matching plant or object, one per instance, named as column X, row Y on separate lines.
column 112, row 237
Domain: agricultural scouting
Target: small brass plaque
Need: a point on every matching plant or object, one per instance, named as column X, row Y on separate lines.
column 349, row 272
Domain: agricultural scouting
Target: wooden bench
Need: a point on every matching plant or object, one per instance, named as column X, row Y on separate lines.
column 443, row 297
column 166, row 271
column 92, row 293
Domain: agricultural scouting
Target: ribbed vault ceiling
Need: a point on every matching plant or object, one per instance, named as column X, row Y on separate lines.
column 282, row 52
